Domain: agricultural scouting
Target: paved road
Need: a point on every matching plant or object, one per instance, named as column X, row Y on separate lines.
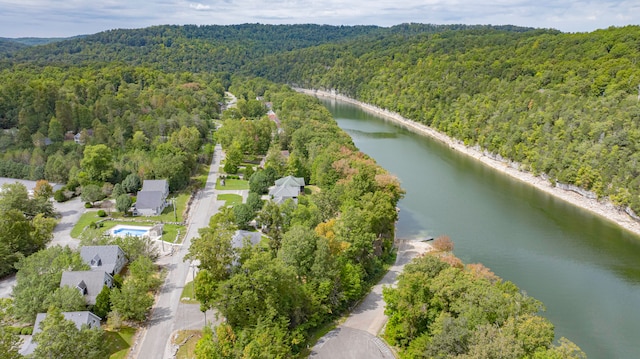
column 357, row 337
column 168, row 314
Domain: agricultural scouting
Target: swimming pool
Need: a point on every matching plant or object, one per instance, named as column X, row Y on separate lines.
column 124, row 230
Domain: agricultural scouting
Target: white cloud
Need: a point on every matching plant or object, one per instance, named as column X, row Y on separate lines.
column 72, row 17
column 199, row 7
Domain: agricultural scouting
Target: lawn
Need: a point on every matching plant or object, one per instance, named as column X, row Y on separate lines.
column 119, row 342
column 168, row 214
column 83, row 222
column 188, row 295
column 230, row 199
column 232, row 184
column 187, row 349
column 170, row 231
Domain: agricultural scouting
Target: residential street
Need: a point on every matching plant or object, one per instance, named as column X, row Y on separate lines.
column 357, row 336
column 168, row 314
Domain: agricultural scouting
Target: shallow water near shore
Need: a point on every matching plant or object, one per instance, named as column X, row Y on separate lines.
column 585, row 269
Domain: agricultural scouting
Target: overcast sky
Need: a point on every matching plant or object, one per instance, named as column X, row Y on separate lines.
column 62, row 18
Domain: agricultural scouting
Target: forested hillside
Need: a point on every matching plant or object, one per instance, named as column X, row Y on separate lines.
column 188, row 48
column 130, row 110
column 561, row 104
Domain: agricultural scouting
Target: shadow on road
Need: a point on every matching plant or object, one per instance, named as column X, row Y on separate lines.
column 160, row 315
column 68, row 213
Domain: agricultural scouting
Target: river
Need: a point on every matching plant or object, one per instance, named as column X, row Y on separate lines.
column 585, row 269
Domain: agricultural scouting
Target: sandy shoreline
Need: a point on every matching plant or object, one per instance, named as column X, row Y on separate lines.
column 604, row 209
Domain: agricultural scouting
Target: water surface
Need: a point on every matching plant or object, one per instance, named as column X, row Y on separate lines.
column 585, row 269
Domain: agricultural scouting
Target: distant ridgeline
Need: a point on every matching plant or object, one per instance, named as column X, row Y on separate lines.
column 561, row 104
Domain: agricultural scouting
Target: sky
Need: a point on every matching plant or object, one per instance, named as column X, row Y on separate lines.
column 64, row 18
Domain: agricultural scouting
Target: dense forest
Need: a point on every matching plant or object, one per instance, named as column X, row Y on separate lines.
column 563, row 105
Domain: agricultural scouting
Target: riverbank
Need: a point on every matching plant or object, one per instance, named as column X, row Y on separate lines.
column 604, row 209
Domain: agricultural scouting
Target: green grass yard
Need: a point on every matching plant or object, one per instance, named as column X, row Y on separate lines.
column 118, row 342
column 232, row 184
column 230, row 199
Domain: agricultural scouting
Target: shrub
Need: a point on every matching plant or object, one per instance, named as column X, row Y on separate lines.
column 102, row 213
column 88, row 205
column 26, row 331
column 93, row 225
column 59, row 195
column 443, row 244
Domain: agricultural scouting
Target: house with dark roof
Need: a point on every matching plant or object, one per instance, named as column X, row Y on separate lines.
column 110, row 259
column 287, row 188
column 89, row 283
column 80, row 319
column 152, row 198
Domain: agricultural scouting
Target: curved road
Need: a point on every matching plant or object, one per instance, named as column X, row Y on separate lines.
column 168, row 314
column 357, row 337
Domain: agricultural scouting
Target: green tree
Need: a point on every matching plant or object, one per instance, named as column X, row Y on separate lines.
column 91, row 193
column 9, row 341
column 118, row 191
column 60, row 338
column 20, row 237
column 132, row 301
column 187, row 139
column 103, row 303
column 259, row 183
column 298, row 249
column 233, row 158
column 243, row 214
column 213, row 250
column 142, row 272
column 56, row 131
column 43, row 189
column 97, row 162
column 254, row 201
column 132, row 183
column 38, row 278
column 123, row 203
column 67, row 299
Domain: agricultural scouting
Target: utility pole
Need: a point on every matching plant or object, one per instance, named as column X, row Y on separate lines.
column 175, row 215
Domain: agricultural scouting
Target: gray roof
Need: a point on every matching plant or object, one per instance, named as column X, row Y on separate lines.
column 78, row 318
column 237, row 239
column 103, row 257
column 290, row 181
column 154, row 185
column 93, row 282
column 284, row 192
column 149, row 200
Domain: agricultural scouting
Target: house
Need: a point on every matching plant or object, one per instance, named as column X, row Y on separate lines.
column 110, row 259
column 152, row 199
column 82, row 136
column 237, row 241
column 287, row 188
column 89, row 282
column 80, row 319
